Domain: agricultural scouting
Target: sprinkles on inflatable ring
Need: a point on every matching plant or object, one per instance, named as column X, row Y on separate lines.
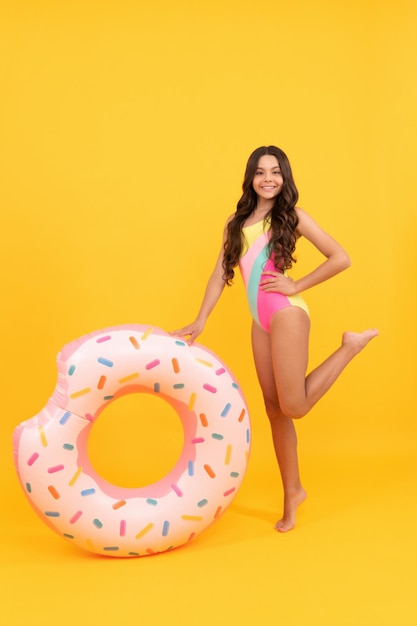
column 51, row 448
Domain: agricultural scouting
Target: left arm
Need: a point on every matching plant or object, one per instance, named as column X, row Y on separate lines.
column 336, row 261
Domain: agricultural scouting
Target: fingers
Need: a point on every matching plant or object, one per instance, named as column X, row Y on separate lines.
column 189, row 333
column 270, row 283
column 277, row 283
column 268, row 288
column 270, row 278
column 181, row 332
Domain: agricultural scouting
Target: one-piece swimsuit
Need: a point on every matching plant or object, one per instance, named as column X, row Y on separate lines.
column 255, row 260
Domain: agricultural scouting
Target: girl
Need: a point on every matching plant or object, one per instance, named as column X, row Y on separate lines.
column 260, row 237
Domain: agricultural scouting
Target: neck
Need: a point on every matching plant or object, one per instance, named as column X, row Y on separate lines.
column 263, row 206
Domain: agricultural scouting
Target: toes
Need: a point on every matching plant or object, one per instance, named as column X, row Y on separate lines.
column 283, row 526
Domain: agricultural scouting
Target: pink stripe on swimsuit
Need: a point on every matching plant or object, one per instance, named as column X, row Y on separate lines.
column 254, row 261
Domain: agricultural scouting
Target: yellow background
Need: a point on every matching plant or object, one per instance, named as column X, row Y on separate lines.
column 124, row 132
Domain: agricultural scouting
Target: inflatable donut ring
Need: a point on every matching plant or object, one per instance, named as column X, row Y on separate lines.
column 51, row 448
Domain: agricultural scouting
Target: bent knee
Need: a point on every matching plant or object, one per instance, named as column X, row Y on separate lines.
column 272, row 408
column 294, row 409
column 289, row 408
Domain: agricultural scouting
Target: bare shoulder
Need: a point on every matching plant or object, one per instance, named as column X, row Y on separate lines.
column 302, row 215
column 305, row 222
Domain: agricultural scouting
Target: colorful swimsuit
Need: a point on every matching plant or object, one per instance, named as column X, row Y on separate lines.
column 253, row 262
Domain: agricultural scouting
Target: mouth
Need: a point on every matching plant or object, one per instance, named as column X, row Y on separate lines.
column 268, row 187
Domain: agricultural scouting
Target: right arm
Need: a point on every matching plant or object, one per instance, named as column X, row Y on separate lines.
column 214, row 290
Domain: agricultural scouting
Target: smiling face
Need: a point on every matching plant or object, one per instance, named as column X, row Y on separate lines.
column 268, row 180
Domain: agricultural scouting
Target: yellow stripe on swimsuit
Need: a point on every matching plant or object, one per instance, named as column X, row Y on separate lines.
column 254, row 261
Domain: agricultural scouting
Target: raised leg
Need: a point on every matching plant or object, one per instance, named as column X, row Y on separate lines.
column 289, row 347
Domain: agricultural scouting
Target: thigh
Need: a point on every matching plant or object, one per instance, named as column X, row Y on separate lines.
column 289, row 336
column 261, row 348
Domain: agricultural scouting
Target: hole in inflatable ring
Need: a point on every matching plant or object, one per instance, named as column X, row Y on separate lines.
column 136, row 440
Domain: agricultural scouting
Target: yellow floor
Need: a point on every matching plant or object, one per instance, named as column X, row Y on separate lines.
column 350, row 561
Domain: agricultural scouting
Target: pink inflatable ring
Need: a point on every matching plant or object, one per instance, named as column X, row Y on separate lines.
column 51, row 448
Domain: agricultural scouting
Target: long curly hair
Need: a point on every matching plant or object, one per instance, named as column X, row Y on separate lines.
column 282, row 216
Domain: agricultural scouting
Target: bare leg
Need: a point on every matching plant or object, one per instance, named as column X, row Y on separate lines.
column 281, row 362
column 289, row 344
column 285, row 444
column 283, row 431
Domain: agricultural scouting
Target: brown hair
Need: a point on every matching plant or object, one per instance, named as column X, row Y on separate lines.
column 282, row 216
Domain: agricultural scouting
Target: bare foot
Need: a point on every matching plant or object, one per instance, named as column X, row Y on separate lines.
column 357, row 341
column 291, row 504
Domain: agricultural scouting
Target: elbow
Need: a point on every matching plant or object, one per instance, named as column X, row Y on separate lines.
column 345, row 261
column 341, row 262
